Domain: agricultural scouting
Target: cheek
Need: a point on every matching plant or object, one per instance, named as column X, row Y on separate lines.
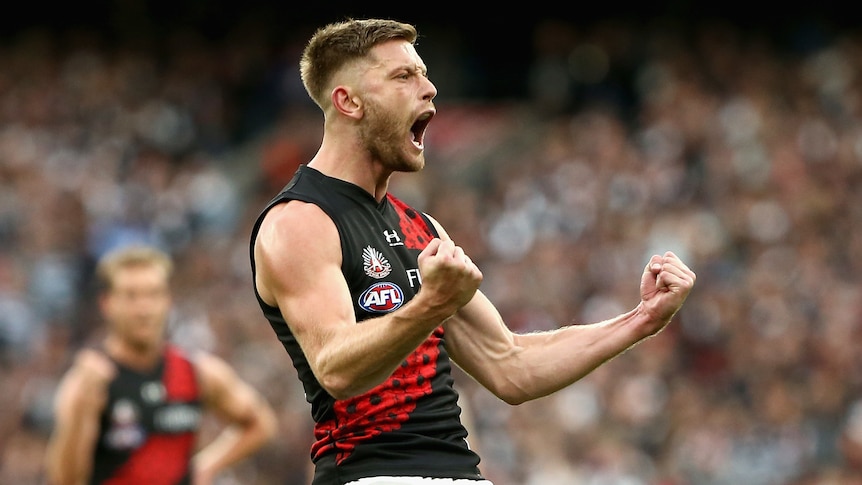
column 108, row 308
column 164, row 308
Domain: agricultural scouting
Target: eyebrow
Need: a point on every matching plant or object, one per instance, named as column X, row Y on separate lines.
column 420, row 68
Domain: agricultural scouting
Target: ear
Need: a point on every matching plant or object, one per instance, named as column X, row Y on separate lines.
column 346, row 102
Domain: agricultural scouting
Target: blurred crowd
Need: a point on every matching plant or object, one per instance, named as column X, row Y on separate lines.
column 739, row 151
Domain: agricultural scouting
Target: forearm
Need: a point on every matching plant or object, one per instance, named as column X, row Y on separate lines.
column 231, row 446
column 522, row 367
column 65, row 463
column 69, row 455
column 550, row 361
column 55, row 478
column 364, row 355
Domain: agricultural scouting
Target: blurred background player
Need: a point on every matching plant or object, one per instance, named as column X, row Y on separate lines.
column 130, row 411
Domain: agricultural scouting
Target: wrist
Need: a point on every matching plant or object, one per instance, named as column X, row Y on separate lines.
column 649, row 322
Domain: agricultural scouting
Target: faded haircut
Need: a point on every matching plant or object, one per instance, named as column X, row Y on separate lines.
column 130, row 257
column 336, row 44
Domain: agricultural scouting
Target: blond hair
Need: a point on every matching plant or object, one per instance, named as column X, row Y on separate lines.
column 130, row 257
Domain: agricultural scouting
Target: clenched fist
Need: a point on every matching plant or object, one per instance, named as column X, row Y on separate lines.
column 449, row 276
column 665, row 284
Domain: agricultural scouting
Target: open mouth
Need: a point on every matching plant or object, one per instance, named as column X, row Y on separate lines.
column 418, row 128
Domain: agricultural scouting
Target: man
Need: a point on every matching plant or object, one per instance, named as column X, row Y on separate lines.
column 371, row 298
column 130, row 411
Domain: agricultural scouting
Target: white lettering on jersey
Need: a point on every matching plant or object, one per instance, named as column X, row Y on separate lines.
column 414, row 277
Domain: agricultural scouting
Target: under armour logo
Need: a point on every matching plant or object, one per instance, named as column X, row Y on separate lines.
column 392, row 238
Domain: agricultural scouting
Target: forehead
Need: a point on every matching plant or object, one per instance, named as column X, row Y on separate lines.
column 394, row 53
column 139, row 275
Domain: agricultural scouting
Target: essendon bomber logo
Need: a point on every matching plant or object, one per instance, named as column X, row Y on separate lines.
column 375, row 265
column 381, row 298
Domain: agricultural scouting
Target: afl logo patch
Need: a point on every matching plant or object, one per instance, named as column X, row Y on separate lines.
column 381, row 298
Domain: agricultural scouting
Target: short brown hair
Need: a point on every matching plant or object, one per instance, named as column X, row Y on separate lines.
column 128, row 257
column 336, row 44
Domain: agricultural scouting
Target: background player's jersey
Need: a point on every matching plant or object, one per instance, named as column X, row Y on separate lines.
column 149, row 425
column 410, row 424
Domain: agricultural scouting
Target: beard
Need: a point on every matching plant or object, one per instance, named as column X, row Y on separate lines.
column 383, row 135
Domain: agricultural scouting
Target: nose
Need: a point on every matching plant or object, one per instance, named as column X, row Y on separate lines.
column 429, row 90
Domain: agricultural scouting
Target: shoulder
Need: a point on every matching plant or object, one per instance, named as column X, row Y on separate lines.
column 288, row 213
column 94, row 366
column 88, row 378
column 215, row 374
column 301, row 227
column 294, row 245
column 207, row 361
column 211, row 367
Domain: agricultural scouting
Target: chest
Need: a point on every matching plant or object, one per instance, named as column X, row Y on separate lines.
column 380, row 249
column 142, row 405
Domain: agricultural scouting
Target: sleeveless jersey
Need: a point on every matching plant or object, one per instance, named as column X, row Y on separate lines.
column 149, row 426
column 410, row 424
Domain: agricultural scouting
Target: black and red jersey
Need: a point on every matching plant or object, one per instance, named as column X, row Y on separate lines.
column 149, row 425
column 410, row 424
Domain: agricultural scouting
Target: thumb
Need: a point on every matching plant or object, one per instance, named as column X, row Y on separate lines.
column 432, row 247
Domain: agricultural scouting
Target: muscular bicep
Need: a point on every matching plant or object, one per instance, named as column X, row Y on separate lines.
column 298, row 260
column 477, row 339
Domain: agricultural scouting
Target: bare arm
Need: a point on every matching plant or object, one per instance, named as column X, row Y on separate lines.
column 250, row 420
column 522, row 367
column 299, row 271
column 79, row 401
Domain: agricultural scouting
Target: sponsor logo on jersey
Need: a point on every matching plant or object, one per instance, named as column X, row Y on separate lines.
column 153, row 392
column 381, row 297
column 177, row 418
column 124, row 432
column 392, row 238
column 375, row 265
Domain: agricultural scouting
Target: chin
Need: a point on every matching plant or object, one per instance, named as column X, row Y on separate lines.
column 408, row 164
column 416, row 164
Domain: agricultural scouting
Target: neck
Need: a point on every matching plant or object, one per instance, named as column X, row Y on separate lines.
column 134, row 356
column 352, row 164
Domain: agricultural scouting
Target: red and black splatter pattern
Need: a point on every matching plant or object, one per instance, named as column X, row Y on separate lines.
column 382, row 409
column 416, row 232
